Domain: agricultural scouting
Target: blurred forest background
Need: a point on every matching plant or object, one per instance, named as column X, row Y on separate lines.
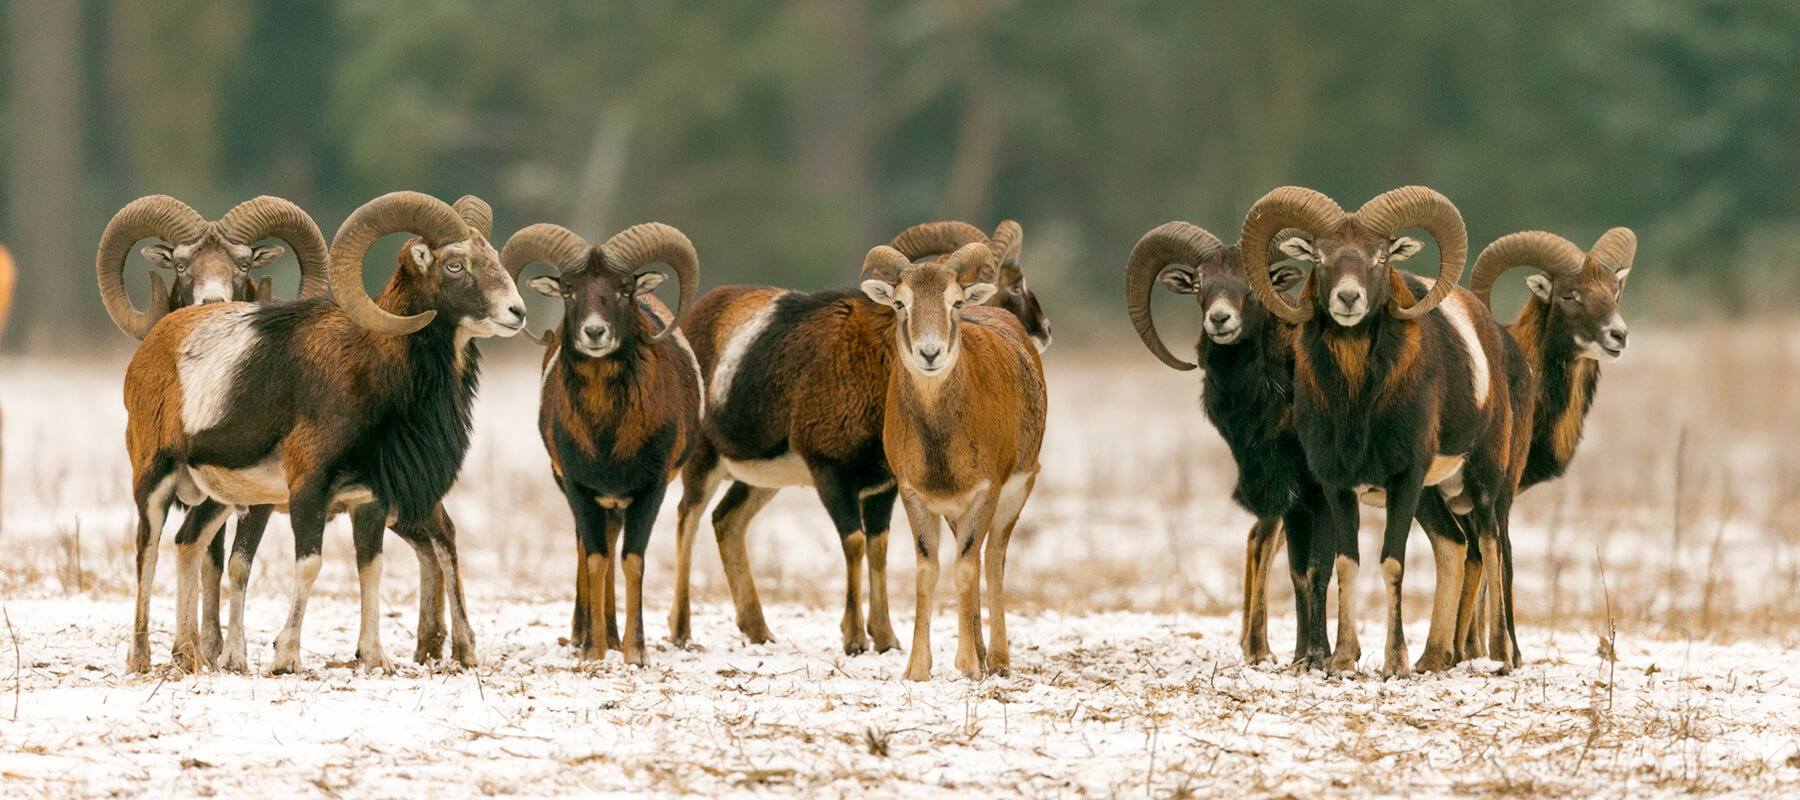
column 787, row 138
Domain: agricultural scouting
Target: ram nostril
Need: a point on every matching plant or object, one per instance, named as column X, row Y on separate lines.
column 516, row 310
column 1348, row 296
column 1218, row 318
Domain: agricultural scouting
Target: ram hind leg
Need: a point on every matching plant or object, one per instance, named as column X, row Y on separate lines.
column 730, row 522
column 443, row 541
column 193, row 544
column 1259, row 557
column 1448, row 553
column 154, row 492
column 250, row 528
column 1503, row 643
column 877, row 516
column 699, row 481
column 1006, row 515
column 430, row 639
column 212, row 573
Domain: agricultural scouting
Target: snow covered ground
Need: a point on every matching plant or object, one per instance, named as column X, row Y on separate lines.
column 1676, row 525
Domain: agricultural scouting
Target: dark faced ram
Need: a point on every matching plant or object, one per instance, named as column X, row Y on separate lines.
column 620, row 405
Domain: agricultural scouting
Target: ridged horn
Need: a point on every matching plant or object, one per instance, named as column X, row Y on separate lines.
column 476, row 213
column 263, row 217
column 1006, row 243
column 547, row 242
column 394, row 212
column 1421, row 207
column 1541, row 249
column 1282, row 208
column 1168, row 243
column 654, row 242
column 1615, row 249
column 157, row 215
column 884, row 263
column 936, row 239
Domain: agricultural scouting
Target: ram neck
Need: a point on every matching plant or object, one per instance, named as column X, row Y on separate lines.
column 1566, row 382
column 415, row 451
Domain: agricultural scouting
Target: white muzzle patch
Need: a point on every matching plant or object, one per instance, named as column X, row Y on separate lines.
column 1349, row 301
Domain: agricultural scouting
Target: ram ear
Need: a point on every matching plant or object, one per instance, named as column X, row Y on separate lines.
column 1286, row 276
column 648, row 281
column 1622, row 275
column 1299, row 249
column 1404, row 248
column 880, row 291
column 420, row 256
column 979, row 293
column 160, row 255
column 1178, row 279
column 1539, row 284
column 546, row 285
column 263, row 255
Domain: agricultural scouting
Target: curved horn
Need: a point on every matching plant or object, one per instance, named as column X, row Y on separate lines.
column 1546, row 251
column 653, row 242
column 394, row 212
column 157, row 215
column 1282, row 208
column 1007, row 241
column 973, row 263
column 262, row 217
column 1615, row 249
column 547, row 242
column 476, row 213
column 1169, row 243
column 885, row 263
column 1421, row 207
column 936, row 238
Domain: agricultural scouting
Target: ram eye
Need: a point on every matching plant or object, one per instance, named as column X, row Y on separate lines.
column 899, row 306
column 957, row 304
column 453, row 266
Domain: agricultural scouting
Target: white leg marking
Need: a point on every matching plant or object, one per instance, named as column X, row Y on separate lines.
column 1456, row 310
column 235, row 655
column 740, row 343
column 368, row 642
column 287, row 645
column 210, row 360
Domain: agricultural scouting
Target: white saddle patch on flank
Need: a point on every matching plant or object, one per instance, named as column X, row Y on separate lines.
column 733, row 355
column 211, row 358
column 1456, row 310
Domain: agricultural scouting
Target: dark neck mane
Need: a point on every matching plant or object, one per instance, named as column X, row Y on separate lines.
column 412, row 455
column 1247, row 394
column 1566, row 385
